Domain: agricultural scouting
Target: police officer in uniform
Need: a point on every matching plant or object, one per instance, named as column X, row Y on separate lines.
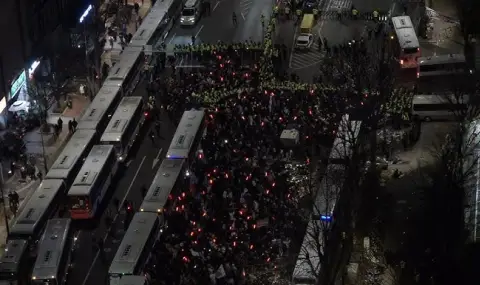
column 375, row 15
column 354, row 13
column 287, row 12
column 299, row 15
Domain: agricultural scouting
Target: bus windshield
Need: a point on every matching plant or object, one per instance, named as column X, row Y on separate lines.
column 410, row 50
column 78, row 202
column 188, row 12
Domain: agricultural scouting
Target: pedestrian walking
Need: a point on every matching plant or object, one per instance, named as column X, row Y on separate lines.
column 157, row 128
column 74, row 125
column 152, row 137
column 70, row 126
column 60, row 123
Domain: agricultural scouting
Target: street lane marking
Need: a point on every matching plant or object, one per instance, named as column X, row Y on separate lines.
column 199, row 30
column 180, row 63
column 390, row 12
column 114, row 219
column 171, row 40
column 243, row 16
column 216, row 5
column 156, row 160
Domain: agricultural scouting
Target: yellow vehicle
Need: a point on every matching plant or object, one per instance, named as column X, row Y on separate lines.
column 307, row 23
column 305, row 39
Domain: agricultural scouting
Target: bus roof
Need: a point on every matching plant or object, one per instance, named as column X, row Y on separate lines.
column 99, row 106
column 131, row 280
column 93, row 165
column 185, row 134
column 190, row 3
column 440, row 99
column 51, row 249
column 133, row 243
column 12, row 254
column 307, row 266
column 28, row 219
column 162, row 185
column 71, row 153
column 121, row 119
column 330, row 187
column 405, row 32
column 346, row 137
column 441, row 59
column 128, row 60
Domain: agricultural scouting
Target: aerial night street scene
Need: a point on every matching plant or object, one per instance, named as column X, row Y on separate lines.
column 240, row 142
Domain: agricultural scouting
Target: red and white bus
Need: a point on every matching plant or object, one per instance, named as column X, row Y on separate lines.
column 92, row 182
column 406, row 47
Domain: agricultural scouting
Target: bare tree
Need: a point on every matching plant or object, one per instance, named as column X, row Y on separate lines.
column 39, row 103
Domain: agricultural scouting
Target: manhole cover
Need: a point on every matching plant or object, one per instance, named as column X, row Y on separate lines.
column 107, row 249
column 115, row 241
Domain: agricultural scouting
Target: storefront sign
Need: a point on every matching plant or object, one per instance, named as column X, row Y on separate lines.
column 18, row 84
column 3, row 104
column 32, row 68
column 85, row 14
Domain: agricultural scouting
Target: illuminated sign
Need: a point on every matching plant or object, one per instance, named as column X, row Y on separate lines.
column 32, row 68
column 3, row 104
column 85, row 14
column 18, row 84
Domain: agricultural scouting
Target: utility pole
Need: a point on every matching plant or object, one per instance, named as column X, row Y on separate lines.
column 3, row 201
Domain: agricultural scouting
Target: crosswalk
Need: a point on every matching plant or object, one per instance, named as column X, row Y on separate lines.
column 304, row 59
column 337, row 5
column 245, row 6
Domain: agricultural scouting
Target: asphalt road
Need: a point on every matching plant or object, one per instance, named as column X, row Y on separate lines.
column 306, row 63
column 219, row 25
column 90, row 267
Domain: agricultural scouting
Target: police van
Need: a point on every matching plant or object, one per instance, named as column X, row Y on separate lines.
column 191, row 12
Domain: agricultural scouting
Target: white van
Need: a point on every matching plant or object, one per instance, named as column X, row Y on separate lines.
column 438, row 107
column 192, row 10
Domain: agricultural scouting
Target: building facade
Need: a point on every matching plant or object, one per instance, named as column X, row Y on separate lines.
column 35, row 31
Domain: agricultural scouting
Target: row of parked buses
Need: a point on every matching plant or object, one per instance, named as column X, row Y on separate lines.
column 171, row 180
column 308, row 263
column 39, row 247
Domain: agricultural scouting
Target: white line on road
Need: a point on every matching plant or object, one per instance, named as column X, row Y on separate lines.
column 199, row 30
column 170, row 41
column 243, row 16
column 157, row 159
column 114, row 219
column 216, row 5
column 180, row 63
column 390, row 12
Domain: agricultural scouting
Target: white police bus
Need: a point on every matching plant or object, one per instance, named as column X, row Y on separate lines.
column 346, row 138
column 407, row 46
column 137, row 243
column 124, row 126
column 167, row 181
column 187, row 138
column 54, row 254
column 71, row 158
column 92, row 182
column 15, row 263
column 31, row 221
column 98, row 113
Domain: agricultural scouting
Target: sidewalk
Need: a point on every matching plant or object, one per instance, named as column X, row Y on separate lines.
column 444, row 35
column 53, row 147
column 112, row 51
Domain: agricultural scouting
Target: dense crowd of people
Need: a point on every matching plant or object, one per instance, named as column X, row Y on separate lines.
column 239, row 210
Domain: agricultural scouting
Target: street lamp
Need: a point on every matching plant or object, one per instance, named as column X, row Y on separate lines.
column 2, row 183
column 82, row 21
